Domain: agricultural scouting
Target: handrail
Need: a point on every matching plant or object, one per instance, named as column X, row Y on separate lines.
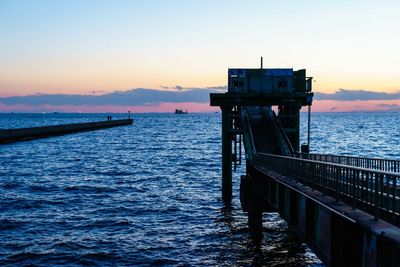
column 250, row 132
column 374, row 191
column 283, row 134
column 369, row 163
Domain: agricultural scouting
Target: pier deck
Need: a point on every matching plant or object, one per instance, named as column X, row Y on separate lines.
column 346, row 208
column 23, row 134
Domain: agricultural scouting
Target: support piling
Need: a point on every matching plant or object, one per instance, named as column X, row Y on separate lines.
column 226, row 153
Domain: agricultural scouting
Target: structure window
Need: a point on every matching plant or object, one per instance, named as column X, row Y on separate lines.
column 282, row 84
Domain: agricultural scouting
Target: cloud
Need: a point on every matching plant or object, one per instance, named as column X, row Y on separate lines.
column 163, row 107
column 133, row 97
column 192, row 98
column 389, row 107
column 352, row 95
column 181, row 88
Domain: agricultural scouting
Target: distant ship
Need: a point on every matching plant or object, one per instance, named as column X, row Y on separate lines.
column 180, row 111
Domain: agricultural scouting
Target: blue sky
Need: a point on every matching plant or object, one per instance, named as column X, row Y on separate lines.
column 83, row 46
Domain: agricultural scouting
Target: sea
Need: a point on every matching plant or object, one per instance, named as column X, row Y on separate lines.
column 149, row 194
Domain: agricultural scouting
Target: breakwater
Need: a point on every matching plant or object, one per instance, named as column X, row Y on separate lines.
column 22, row 134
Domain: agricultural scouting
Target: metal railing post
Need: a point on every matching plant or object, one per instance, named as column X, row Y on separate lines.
column 377, row 178
column 354, row 188
column 375, row 191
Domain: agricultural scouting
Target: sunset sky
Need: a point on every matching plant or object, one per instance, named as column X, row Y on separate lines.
column 99, row 47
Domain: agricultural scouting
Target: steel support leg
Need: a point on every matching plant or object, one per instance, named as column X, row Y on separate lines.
column 226, row 154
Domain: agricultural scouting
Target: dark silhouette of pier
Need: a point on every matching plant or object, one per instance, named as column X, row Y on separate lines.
column 23, row 134
column 346, row 208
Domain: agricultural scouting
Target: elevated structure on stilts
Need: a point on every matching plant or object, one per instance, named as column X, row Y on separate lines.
column 346, row 208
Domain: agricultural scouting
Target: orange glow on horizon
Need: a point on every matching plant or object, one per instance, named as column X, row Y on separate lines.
column 318, row 106
column 345, row 106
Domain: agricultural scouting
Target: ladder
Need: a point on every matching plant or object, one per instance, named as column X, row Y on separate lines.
column 237, row 133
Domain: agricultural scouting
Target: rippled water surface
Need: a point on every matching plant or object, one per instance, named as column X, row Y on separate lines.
column 149, row 194
column 368, row 134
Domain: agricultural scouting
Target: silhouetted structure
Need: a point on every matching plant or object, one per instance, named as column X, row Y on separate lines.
column 180, row 111
column 337, row 205
column 22, row 134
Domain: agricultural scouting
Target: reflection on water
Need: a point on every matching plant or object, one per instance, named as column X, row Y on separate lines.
column 148, row 194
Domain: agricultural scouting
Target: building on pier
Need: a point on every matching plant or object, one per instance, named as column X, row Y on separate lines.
column 346, row 209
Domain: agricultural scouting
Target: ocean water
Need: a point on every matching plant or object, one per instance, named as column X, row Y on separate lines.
column 366, row 134
column 149, row 194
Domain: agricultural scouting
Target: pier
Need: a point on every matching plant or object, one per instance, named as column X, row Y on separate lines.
column 347, row 209
column 23, row 134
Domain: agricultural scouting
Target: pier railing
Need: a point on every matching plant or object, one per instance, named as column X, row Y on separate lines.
column 368, row 163
column 374, row 191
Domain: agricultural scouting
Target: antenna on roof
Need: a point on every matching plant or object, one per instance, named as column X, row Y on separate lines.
column 261, row 75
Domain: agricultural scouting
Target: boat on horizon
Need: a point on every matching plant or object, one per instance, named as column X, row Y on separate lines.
column 180, row 111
